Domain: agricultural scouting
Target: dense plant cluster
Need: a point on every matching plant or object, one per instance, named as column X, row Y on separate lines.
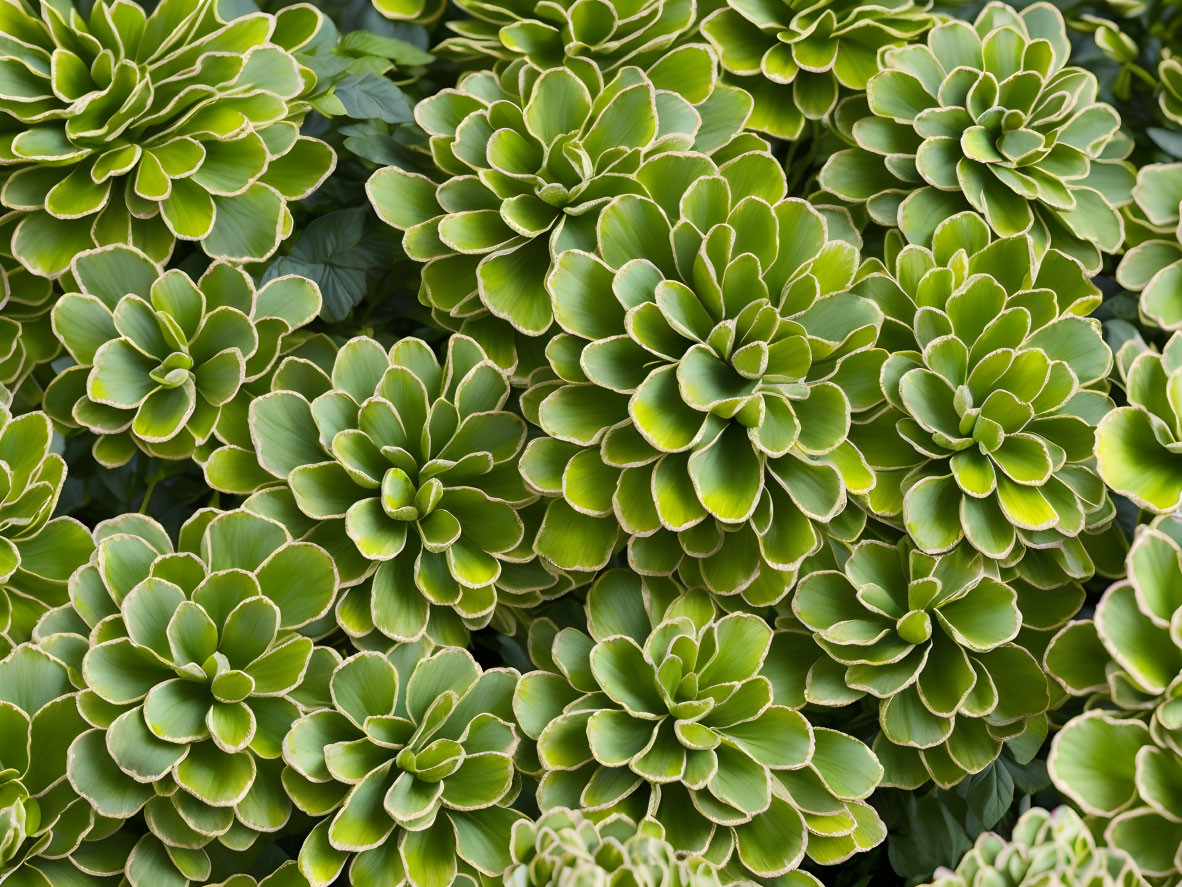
column 590, row 443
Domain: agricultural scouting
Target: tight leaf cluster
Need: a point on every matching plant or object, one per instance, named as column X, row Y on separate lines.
column 590, row 443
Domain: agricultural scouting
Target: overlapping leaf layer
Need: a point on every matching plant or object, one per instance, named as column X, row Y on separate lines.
column 590, row 443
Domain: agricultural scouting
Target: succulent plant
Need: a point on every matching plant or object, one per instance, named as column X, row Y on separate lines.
column 232, row 467
column 411, row 768
column 932, row 639
column 565, row 847
column 990, row 117
column 1153, row 267
column 524, row 170
column 42, row 819
column 158, row 355
column 1122, row 759
column 306, row 369
column 611, row 34
column 405, row 468
column 820, row 48
column 194, row 667
column 38, row 552
column 707, row 367
column 1117, row 46
column 152, row 128
column 989, row 426
column 667, row 709
column 1047, row 847
column 1139, row 445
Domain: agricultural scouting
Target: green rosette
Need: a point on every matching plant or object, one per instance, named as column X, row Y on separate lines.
column 1047, row 847
column 1139, row 444
column 410, row 769
column 611, row 33
column 821, row 49
column 26, row 335
column 566, row 847
column 38, row 552
column 994, row 387
column 49, row 836
column 666, row 709
column 710, row 360
column 932, row 640
column 988, row 116
column 1152, row 267
column 1121, row 760
column 158, row 355
column 405, row 468
column 194, row 660
column 124, row 127
column 525, row 165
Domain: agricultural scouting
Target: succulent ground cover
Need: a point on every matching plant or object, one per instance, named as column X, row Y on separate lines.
column 590, row 443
